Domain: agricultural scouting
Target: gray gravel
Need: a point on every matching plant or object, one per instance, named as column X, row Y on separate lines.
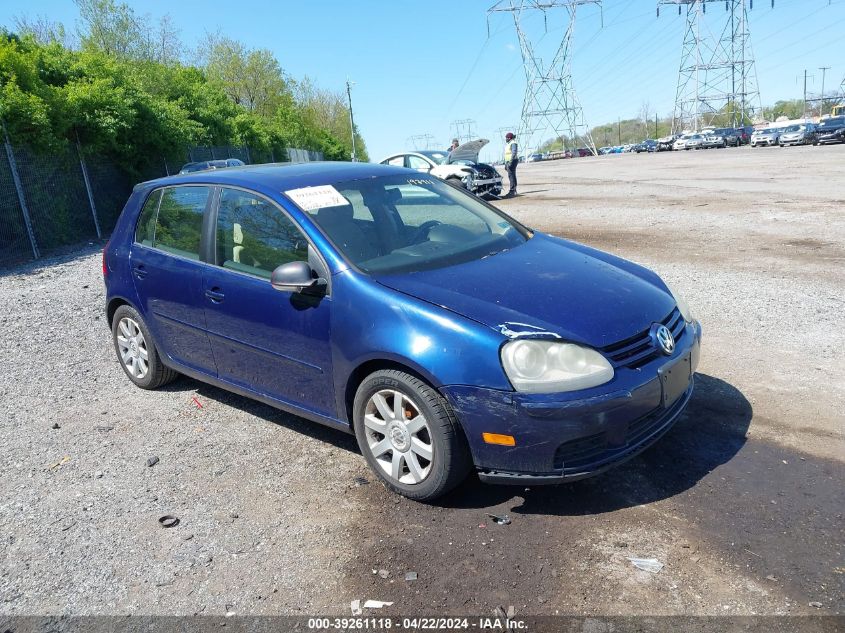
column 79, row 518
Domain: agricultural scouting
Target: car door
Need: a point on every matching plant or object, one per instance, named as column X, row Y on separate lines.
column 269, row 341
column 167, row 272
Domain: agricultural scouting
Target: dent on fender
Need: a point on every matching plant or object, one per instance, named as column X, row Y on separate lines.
column 525, row 330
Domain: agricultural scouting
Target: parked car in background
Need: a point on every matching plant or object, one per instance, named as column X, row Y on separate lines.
column 385, row 303
column 459, row 167
column 648, row 145
column 731, row 136
column 710, row 140
column 535, row 158
column 689, row 141
column 222, row 163
column 744, row 134
column 831, row 130
column 605, row 150
column 667, row 143
column 765, row 136
column 582, row 152
column 804, row 134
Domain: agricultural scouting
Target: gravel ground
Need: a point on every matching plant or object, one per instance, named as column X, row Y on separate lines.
column 742, row 501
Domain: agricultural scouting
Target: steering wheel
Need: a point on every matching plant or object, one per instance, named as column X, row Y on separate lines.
column 422, row 231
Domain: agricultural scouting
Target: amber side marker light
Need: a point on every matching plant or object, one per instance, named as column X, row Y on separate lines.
column 496, row 438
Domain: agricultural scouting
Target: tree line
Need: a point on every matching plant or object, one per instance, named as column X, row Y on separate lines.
column 121, row 84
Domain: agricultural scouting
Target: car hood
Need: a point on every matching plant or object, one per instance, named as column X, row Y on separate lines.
column 546, row 287
column 468, row 151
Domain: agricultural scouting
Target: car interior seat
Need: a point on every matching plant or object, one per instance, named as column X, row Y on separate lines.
column 338, row 222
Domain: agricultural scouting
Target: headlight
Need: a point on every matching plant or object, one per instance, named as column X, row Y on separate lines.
column 550, row 366
column 683, row 306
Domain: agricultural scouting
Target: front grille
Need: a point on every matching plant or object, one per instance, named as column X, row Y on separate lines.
column 593, row 450
column 640, row 349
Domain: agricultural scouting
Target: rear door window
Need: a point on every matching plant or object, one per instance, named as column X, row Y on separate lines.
column 254, row 236
column 178, row 227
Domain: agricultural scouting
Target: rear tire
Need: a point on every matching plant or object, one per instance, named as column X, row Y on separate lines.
column 136, row 350
column 409, row 435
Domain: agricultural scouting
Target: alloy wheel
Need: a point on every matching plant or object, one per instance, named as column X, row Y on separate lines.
column 132, row 347
column 398, row 436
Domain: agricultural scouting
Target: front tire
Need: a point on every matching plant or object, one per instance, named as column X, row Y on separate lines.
column 409, row 435
column 136, row 350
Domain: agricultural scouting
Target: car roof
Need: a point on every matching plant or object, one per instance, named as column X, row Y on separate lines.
column 279, row 178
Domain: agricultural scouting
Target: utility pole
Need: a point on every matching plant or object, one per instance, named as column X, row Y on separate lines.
column 619, row 130
column 824, row 70
column 805, row 94
column 655, row 125
column 349, row 85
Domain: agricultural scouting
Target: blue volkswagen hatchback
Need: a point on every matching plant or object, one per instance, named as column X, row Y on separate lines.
column 377, row 300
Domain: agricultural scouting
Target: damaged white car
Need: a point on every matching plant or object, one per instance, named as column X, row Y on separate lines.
column 459, row 167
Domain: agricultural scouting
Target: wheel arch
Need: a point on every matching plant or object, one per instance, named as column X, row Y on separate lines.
column 112, row 306
column 367, row 367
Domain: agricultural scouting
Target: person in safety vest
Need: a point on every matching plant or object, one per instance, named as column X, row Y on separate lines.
column 511, row 161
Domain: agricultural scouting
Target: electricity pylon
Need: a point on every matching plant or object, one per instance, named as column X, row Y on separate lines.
column 463, row 130
column 716, row 75
column 550, row 108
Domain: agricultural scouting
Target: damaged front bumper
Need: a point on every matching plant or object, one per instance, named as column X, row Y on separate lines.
column 568, row 436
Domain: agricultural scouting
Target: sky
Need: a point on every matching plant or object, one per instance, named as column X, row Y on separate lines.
column 419, row 66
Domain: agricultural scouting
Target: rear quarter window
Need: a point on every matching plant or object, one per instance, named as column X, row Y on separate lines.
column 145, row 230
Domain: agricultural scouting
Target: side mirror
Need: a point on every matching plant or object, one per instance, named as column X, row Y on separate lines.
column 296, row 277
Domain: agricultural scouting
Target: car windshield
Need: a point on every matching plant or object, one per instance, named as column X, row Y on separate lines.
column 407, row 223
column 437, row 157
column 793, row 128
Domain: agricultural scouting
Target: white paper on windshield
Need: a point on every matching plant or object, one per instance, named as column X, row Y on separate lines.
column 310, row 198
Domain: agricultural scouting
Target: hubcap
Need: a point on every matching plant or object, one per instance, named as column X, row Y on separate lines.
column 398, row 436
column 132, row 347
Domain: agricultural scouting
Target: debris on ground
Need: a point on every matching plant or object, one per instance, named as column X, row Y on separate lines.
column 197, row 402
column 500, row 520
column 64, row 460
column 152, row 461
column 361, row 481
column 104, row 428
column 411, row 575
column 817, row 605
column 376, row 604
column 383, row 573
column 55, row 426
column 651, row 565
column 168, row 521
column 98, row 474
column 355, row 605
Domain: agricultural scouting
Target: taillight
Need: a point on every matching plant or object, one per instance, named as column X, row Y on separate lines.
column 105, row 268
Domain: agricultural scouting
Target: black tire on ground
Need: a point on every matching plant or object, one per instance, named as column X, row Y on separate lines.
column 158, row 373
column 456, row 182
column 451, row 460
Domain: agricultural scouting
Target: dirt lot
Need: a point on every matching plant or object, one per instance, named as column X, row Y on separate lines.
column 743, row 501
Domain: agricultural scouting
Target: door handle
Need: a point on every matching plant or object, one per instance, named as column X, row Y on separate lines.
column 215, row 295
column 140, row 271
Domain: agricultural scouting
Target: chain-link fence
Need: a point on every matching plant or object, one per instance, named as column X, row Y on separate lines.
column 67, row 196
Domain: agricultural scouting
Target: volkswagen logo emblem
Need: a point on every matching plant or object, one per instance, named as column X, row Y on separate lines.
column 665, row 339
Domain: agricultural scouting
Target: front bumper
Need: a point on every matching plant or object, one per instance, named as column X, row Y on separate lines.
column 830, row 138
column 564, row 437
